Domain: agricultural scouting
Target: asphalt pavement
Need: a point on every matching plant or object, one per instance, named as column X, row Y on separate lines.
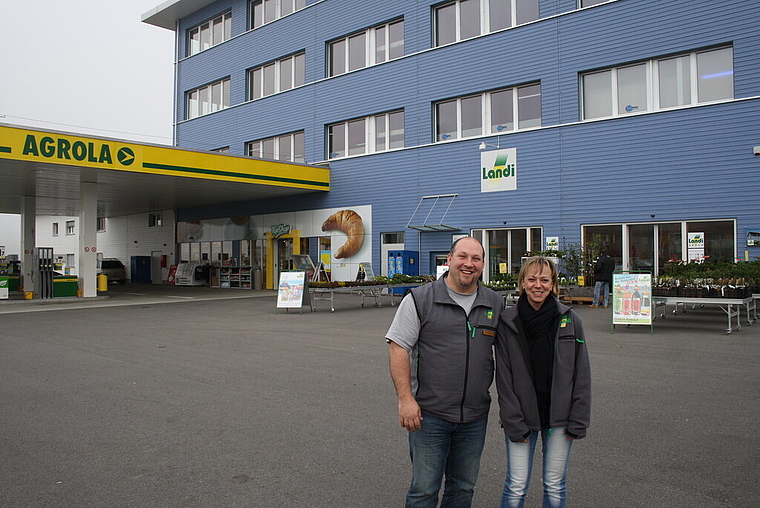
column 154, row 396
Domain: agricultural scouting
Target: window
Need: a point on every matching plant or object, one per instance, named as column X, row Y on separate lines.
column 101, row 224
column 589, row 3
column 376, row 133
column 70, row 227
column 670, row 82
column 650, row 246
column 209, row 33
column 488, row 113
column 370, row 47
column 463, row 19
column 55, row 229
column 277, row 76
column 208, row 99
column 155, row 220
column 262, row 12
column 224, row 149
column 286, row 147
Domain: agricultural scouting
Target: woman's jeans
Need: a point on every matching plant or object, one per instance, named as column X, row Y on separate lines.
column 439, row 448
column 556, row 449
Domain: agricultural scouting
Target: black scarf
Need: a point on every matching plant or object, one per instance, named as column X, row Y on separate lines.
column 540, row 332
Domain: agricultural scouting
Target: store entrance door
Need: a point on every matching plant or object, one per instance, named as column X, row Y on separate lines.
column 284, row 256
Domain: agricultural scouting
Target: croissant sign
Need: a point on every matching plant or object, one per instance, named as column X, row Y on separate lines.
column 349, row 222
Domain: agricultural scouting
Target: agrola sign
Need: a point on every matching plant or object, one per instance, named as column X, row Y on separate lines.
column 498, row 170
column 65, row 149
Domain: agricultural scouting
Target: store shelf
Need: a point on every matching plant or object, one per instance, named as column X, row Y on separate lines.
column 235, row 277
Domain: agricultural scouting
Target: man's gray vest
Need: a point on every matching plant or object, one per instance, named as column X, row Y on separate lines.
column 453, row 357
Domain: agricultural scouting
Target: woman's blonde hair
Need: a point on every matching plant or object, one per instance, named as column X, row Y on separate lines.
column 542, row 261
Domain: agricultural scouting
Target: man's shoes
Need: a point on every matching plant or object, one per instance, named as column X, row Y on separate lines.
column 593, row 306
column 606, row 306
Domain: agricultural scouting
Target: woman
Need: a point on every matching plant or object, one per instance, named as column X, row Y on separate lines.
column 544, row 383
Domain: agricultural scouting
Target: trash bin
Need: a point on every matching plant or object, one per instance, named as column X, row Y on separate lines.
column 102, row 282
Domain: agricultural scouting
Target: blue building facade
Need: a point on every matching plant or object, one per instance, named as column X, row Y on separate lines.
column 628, row 124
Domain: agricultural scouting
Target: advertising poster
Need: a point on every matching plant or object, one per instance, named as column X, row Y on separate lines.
column 498, row 170
column 290, row 290
column 632, row 299
column 696, row 247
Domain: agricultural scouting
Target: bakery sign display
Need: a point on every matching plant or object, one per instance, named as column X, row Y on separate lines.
column 350, row 223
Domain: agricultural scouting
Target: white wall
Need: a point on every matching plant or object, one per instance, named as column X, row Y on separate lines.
column 123, row 238
column 10, row 233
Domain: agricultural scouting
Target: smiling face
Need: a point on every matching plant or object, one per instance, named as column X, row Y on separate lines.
column 465, row 265
column 537, row 281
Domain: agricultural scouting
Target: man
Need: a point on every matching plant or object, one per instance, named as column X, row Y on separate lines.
column 605, row 265
column 448, row 329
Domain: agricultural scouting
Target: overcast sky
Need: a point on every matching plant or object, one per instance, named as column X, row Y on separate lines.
column 84, row 66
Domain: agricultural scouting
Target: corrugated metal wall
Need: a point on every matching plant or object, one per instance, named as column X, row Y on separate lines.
column 684, row 164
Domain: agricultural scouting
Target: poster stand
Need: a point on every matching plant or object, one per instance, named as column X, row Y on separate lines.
column 293, row 291
column 632, row 299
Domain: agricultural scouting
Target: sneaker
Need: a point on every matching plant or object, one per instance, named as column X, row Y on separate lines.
column 606, row 306
column 592, row 306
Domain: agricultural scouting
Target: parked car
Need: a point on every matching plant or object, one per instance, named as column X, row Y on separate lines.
column 114, row 269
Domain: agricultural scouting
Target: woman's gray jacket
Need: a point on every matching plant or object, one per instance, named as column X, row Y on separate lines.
column 571, row 381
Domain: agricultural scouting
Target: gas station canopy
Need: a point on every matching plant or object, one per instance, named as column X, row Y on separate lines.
column 136, row 178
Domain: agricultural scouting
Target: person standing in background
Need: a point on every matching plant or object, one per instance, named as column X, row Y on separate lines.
column 603, row 269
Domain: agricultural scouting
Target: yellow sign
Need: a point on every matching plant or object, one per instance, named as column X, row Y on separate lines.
column 70, row 150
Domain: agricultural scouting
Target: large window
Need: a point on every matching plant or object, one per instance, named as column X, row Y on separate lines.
column 286, row 147
column 208, row 98
column 376, row 133
column 488, row 113
column 277, row 76
column 455, row 21
column 209, row 33
column 505, row 248
column 266, row 11
column 369, row 47
column 676, row 81
column 650, row 246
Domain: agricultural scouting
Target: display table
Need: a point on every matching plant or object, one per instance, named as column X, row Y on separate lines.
column 731, row 306
column 374, row 291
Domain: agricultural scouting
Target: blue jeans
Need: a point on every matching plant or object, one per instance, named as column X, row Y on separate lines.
column 556, row 449
column 597, row 290
column 439, row 448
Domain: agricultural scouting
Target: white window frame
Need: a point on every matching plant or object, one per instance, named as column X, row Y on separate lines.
column 70, row 227
column 55, row 229
column 292, row 5
column 370, row 47
column 155, row 220
column 652, row 84
column 370, row 131
column 194, row 111
column 485, row 19
column 101, row 224
column 485, row 105
column 225, row 25
column 256, row 82
column 254, row 148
